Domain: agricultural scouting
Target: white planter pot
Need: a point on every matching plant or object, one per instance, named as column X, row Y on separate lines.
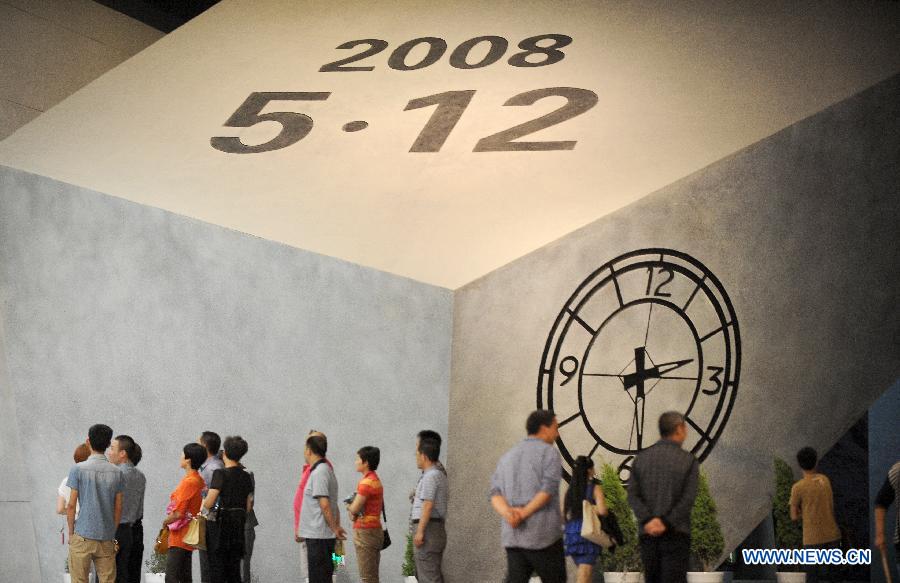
column 154, row 578
column 67, row 578
column 790, row 577
column 620, row 577
column 410, row 579
column 708, row 577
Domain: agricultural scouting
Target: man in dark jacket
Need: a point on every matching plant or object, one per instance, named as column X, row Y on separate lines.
column 661, row 492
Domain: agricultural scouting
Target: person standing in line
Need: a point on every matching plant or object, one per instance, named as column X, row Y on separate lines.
column 249, row 532
column 184, row 503
column 298, row 506
column 889, row 492
column 320, row 521
column 96, row 489
column 120, row 452
column 211, row 442
column 82, row 452
column 429, row 512
column 136, row 559
column 365, row 514
column 582, row 487
column 437, row 438
column 232, row 490
column 812, row 501
column 525, row 493
column 661, row 492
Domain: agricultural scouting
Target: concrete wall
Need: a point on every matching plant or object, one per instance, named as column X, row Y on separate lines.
column 52, row 48
column 801, row 229
column 162, row 327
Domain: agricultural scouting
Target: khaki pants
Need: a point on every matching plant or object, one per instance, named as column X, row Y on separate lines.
column 84, row 551
column 368, row 543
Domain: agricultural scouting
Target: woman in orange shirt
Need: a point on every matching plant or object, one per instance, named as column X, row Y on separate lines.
column 184, row 503
column 365, row 512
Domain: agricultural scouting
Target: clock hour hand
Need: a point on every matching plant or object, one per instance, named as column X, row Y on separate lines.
column 655, row 372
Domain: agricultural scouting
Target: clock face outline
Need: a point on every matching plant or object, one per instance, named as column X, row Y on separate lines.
column 667, row 318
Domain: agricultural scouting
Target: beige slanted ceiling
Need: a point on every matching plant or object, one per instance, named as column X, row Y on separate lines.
column 680, row 85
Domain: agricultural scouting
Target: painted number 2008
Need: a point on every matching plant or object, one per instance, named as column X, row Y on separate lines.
column 532, row 54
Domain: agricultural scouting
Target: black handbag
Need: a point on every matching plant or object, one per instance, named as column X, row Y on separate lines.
column 387, row 535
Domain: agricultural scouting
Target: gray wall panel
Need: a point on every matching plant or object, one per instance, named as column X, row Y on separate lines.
column 162, row 327
column 802, row 230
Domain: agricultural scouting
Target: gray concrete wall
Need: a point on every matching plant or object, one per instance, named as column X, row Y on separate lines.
column 162, row 327
column 801, row 228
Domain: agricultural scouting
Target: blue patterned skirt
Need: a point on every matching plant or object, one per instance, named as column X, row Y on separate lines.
column 582, row 551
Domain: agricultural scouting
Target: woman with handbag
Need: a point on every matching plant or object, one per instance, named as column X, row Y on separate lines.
column 229, row 500
column 365, row 511
column 582, row 489
column 184, row 504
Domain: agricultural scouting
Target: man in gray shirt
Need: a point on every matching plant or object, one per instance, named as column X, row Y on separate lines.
column 429, row 512
column 97, row 487
column 525, row 492
column 121, row 450
column 661, row 492
column 211, row 441
column 320, row 521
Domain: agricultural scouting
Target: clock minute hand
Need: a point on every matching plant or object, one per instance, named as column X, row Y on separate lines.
column 631, row 380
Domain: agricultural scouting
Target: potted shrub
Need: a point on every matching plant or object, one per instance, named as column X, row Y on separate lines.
column 707, row 542
column 623, row 565
column 156, row 568
column 409, row 562
column 67, row 578
column 788, row 534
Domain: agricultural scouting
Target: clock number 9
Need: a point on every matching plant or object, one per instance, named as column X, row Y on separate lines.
column 569, row 368
column 716, row 371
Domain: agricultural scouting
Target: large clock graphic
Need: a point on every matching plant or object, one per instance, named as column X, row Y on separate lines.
column 651, row 331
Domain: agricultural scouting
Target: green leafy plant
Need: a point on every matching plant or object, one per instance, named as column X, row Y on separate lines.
column 626, row 557
column 788, row 534
column 67, row 564
column 409, row 561
column 156, row 563
column 707, row 542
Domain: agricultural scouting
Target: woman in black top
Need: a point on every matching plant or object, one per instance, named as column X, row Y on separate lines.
column 231, row 498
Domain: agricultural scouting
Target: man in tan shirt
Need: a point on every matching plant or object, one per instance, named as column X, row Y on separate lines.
column 813, row 502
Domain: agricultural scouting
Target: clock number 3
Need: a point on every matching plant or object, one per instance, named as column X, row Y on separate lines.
column 716, row 371
column 658, row 292
column 568, row 367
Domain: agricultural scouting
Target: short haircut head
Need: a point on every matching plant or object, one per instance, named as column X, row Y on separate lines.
column 82, row 452
column 538, row 419
column 370, row 455
column 430, row 448
column 196, row 453
column 235, row 447
column 320, row 434
column 137, row 454
column 429, row 434
column 807, row 458
column 317, row 444
column 211, row 441
column 127, row 444
column 100, row 436
column 669, row 422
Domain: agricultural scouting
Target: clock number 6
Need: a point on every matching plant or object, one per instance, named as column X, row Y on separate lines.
column 716, row 371
column 570, row 370
column 294, row 126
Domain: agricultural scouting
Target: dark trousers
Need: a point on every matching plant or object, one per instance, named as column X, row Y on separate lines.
column 123, row 556
column 136, row 557
column 224, row 567
column 204, row 566
column 816, row 573
column 666, row 557
column 249, row 539
column 549, row 563
column 178, row 566
column 318, row 555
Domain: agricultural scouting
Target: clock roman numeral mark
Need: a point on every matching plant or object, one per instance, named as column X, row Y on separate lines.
column 584, row 324
column 616, row 284
column 693, row 293
column 569, row 419
column 714, row 332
